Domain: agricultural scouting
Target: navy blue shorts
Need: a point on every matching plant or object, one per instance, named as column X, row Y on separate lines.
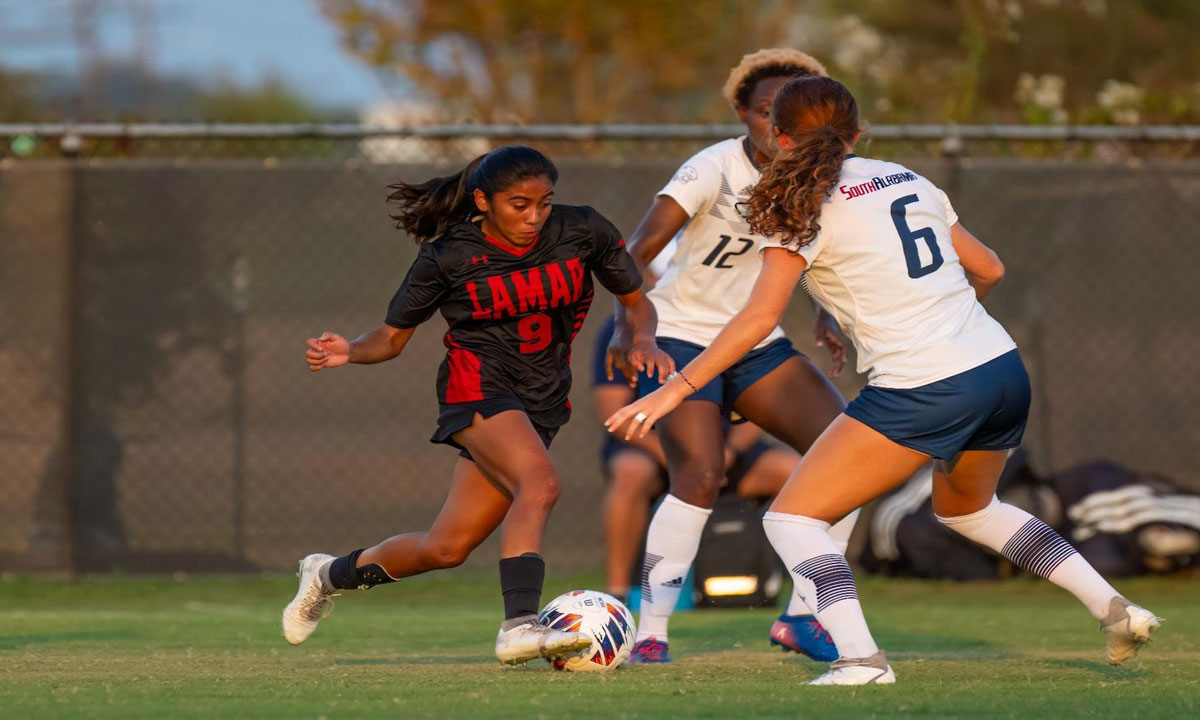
column 984, row 408
column 726, row 388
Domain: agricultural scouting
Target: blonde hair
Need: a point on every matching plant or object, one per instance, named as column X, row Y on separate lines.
column 769, row 62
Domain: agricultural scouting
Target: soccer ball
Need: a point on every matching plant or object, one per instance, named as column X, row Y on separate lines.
column 603, row 617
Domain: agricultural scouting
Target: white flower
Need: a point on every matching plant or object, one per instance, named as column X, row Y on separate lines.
column 857, row 42
column 1116, row 95
column 1045, row 91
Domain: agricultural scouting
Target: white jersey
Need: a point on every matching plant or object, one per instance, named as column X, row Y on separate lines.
column 716, row 258
column 884, row 266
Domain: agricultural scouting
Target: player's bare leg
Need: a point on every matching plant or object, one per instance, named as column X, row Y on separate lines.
column 795, row 402
column 849, row 465
column 509, row 451
column 474, row 508
column 964, row 500
column 634, row 480
column 694, row 444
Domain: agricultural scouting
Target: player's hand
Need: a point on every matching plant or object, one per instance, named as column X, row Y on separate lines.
column 646, row 357
column 328, row 351
column 829, row 335
column 646, row 411
column 617, row 355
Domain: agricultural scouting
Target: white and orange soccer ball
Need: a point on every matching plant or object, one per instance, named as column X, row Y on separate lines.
column 600, row 615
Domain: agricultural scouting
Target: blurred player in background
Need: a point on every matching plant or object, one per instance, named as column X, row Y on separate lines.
column 882, row 249
column 774, row 386
column 512, row 275
column 636, row 470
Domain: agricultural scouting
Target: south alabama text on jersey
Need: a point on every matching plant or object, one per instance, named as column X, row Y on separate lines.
column 884, row 265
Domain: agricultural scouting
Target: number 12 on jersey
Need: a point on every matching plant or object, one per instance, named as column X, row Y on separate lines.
column 722, row 260
column 909, row 237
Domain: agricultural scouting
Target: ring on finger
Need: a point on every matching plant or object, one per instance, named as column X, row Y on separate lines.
column 640, row 417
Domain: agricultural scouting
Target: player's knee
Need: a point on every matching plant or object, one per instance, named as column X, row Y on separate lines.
column 441, row 554
column 541, row 488
column 632, row 476
column 699, row 483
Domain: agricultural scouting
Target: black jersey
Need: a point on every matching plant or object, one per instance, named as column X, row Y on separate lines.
column 514, row 312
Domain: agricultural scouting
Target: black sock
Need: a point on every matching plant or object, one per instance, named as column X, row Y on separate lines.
column 343, row 574
column 521, row 580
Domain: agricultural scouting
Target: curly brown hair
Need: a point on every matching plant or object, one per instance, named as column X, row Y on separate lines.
column 820, row 118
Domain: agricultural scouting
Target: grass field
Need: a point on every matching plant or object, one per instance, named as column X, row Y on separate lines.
column 128, row 648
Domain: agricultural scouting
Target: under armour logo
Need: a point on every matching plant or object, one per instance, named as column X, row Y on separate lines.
column 677, row 582
column 476, row 259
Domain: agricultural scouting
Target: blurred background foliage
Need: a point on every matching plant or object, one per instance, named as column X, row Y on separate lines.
column 968, row 61
column 532, row 61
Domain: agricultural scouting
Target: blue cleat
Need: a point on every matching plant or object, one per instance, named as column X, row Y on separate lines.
column 802, row 634
column 650, row 651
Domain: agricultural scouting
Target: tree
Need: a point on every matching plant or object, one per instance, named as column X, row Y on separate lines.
column 562, row 60
column 911, row 61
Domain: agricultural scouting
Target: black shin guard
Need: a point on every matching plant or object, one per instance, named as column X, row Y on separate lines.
column 343, row 574
column 521, row 580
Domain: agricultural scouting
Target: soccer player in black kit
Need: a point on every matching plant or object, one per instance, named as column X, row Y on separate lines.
column 512, row 275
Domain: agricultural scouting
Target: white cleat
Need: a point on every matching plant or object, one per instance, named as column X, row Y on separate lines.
column 530, row 640
column 312, row 602
column 1127, row 627
column 872, row 670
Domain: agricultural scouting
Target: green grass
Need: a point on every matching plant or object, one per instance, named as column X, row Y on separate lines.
column 128, row 648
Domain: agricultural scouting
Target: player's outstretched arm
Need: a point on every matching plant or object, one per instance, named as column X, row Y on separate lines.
column 982, row 264
column 332, row 350
column 776, row 282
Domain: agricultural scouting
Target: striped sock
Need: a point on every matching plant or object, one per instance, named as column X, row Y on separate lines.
column 671, row 544
column 823, row 579
column 840, row 533
column 1035, row 547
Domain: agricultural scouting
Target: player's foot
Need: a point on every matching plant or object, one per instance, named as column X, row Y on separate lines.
column 803, row 634
column 872, row 670
column 523, row 639
column 1127, row 627
column 650, row 651
column 313, row 601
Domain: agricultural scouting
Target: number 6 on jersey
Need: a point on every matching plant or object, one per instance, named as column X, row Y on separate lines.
column 909, row 237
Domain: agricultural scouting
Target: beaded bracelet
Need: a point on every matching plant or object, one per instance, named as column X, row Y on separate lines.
column 683, row 377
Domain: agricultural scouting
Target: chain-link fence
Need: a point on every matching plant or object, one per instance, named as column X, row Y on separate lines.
column 157, row 284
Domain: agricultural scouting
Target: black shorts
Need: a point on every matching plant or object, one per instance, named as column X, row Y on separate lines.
column 453, row 417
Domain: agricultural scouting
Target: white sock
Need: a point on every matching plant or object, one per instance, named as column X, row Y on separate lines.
column 1033, row 546
column 842, row 530
column 671, row 544
column 840, row 534
column 823, row 579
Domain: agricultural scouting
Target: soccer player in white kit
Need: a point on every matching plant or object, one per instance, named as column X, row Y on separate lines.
column 707, row 282
column 881, row 248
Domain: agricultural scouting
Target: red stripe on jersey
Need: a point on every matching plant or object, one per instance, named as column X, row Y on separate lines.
column 466, row 374
column 512, row 249
column 584, row 306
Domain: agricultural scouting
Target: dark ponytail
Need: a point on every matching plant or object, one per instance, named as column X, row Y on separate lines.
column 430, row 208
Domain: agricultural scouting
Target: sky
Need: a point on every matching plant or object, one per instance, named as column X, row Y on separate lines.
column 243, row 40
